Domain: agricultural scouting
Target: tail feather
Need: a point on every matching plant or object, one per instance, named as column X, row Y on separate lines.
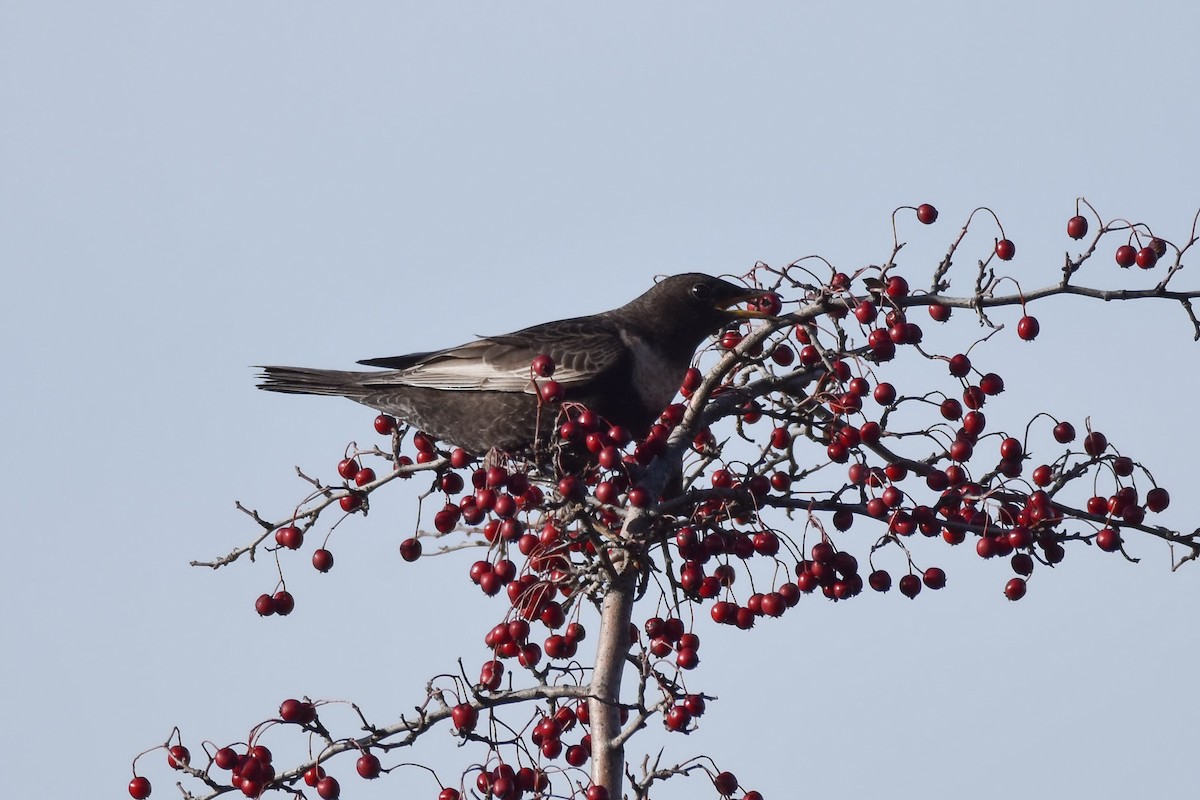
column 302, row 380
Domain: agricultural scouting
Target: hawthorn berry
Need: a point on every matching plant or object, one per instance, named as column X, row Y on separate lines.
column 934, row 578
column 1146, row 258
column 1064, row 432
column 290, row 537
column 1005, row 250
column 284, row 602
column 1095, row 443
column 939, row 312
column 178, row 757
column 322, row 560
column 865, row 312
column 926, row 214
column 1077, row 227
column 1157, row 499
column 1108, row 540
column 726, row 783
column 139, row 788
column 542, row 365
column 1015, row 588
column 960, row 365
column 385, row 424
column 328, row 788
column 368, row 766
column 770, row 304
column 410, row 549
column 880, row 580
column 265, row 605
column 678, row 718
column 1126, row 255
column 1028, row 328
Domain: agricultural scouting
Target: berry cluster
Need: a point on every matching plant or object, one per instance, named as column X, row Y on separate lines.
column 797, row 465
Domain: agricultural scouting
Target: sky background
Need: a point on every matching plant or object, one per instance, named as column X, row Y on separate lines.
column 187, row 189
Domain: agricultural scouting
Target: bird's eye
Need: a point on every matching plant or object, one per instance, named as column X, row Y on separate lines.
column 701, row 291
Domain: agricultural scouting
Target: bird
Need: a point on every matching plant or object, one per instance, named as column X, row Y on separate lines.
column 625, row 365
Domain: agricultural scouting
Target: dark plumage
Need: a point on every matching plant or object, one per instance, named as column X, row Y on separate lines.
column 625, row 364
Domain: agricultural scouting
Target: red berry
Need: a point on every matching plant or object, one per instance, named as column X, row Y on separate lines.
column 991, row 384
column 884, row 394
column 1126, row 255
column 783, row 355
column 1108, row 540
column 1095, row 443
column 292, row 710
column 290, row 537
column 368, row 766
column 865, row 312
column 726, row 783
column 1077, row 227
column 678, row 718
column 910, row 586
column 328, row 788
column 385, row 424
column 364, row 476
column 780, row 438
column 542, row 365
column 934, row 577
column 1005, row 250
column 1064, row 432
column 1015, row 589
column 1157, row 499
column 927, row 214
column 139, row 788
column 264, row 605
column 226, row 758
column 939, row 312
column 284, row 602
column 768, row 304
column 351, row 502
column 551, row 391
column 410, row 549
column 178, row 757
column 880, row 580
column 960, row 366
column 1146, row 258
column 348, row 468
column 897, row 287
column 577, row 755
column 322, row 560
column 1028, row 328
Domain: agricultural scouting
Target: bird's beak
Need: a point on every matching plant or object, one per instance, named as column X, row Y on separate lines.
column 747, row 313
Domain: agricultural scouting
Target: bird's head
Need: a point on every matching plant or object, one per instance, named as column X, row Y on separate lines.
column 686, row 308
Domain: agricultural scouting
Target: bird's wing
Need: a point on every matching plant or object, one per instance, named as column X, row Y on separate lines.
column 581, row 349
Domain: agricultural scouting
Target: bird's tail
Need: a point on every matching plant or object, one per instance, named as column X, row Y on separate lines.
column 302, row 380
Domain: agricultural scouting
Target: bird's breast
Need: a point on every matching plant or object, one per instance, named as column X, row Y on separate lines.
column 656, row 377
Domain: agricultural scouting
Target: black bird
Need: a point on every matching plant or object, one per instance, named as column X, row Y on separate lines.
column 625, row 364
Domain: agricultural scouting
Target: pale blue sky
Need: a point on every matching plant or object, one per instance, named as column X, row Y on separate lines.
column 190, row 188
